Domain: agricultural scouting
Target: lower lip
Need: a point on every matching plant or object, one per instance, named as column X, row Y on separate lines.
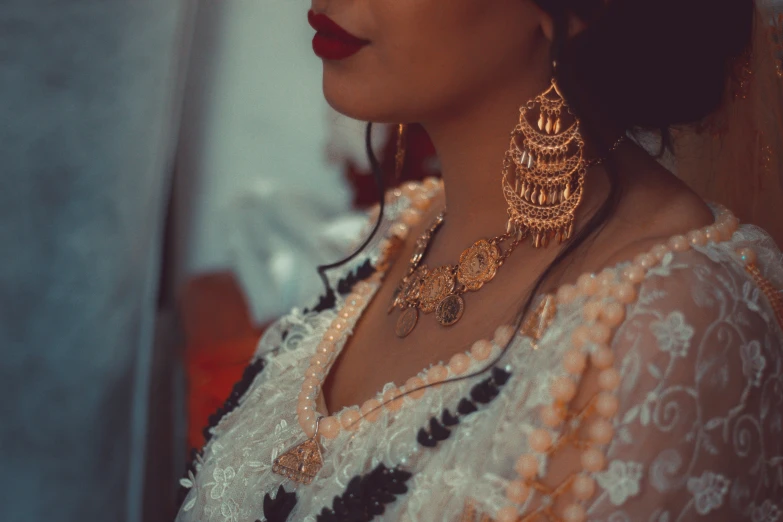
column 330, row 49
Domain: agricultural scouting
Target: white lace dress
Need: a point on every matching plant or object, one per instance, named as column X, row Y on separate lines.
column 697, row 433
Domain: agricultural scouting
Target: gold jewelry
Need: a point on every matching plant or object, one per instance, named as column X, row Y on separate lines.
column 543, row 179
column 440, row 290
column 399, row 157
column 742, row 75
column 774, row 296
column 544, row 170
column 302, row 462
column 600, row 160
column 537, row 324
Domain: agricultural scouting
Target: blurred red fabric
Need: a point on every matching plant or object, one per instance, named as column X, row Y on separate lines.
column 220, row 340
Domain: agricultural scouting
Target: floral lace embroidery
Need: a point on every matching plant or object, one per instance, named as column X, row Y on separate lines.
column 708, row 491
column 223, row 478
column 673, row 334
column 621, row 480
column 753, row 362
column 766, row 512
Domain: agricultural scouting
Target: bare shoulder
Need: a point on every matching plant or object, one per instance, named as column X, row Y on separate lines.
column 652, row 211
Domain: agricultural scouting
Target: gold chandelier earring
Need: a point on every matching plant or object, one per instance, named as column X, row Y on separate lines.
column 544, row 170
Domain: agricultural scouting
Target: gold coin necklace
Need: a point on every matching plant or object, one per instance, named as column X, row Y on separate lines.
column 441, row 290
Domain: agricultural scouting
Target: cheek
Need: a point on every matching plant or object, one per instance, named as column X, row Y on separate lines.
column 402, row 83
column 424, row 59
column 396, row 78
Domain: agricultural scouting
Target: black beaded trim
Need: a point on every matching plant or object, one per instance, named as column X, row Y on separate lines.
column 482, row 393
column 279, row 508
column 240, row 388
column 367, row 495
column 325, row 302
column 362, row 272
column 344, row 286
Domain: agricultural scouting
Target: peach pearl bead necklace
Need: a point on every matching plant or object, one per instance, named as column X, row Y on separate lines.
column 392, row 400
column 604, row 310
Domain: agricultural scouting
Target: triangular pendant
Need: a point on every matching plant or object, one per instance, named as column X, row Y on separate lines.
column 536, row 325
column 301, row 463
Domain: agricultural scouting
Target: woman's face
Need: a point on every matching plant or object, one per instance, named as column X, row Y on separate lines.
column 427, row 58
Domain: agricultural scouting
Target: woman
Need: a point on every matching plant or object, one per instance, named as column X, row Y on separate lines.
column 610, row 343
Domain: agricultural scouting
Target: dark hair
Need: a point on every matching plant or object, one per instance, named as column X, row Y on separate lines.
column 639, row 64
column 648, row 64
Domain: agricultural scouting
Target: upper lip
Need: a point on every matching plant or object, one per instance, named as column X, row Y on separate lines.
column 329, row 28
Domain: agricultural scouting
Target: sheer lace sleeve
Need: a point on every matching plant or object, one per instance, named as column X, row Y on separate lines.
column 695, row 431
column 698, row 434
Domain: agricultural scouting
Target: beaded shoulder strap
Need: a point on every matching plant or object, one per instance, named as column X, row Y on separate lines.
column 587, row 427
column 774, row 295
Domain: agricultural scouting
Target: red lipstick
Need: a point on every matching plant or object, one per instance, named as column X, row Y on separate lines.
column 332, row 42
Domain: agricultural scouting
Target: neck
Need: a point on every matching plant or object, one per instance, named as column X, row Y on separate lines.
column 471, row 147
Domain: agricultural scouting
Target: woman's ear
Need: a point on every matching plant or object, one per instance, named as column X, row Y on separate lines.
column 548, row 27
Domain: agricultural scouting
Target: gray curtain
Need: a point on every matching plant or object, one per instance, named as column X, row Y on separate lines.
column 89, row 103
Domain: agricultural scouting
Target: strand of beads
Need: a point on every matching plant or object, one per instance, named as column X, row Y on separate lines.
column 606, row 297
column 416, row 387
column 326, row 353
column 774, row 296
column 420, row 196
column 392, row 399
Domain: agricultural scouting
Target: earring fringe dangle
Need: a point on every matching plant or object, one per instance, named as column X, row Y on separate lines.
column 544, row 170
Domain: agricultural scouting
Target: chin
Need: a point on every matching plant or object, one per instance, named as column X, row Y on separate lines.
column 361, row 100
column 357, row 107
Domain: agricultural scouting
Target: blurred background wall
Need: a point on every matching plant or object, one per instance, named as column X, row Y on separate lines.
column 254, row 117
column 253, row 148
column 90, row 93
column 257, row 202
column 171, row 178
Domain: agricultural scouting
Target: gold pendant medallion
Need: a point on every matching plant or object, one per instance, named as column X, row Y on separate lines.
column 406, row 322
column 301, row 463
column 478, row 265
column 450, row 310
column 438, row 284
column 411, row 289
